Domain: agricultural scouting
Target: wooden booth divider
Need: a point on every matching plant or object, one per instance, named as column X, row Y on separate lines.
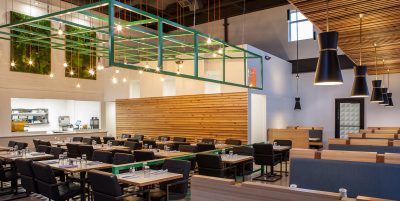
column 217, row 116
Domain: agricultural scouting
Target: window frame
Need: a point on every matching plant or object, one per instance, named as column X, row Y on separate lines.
column 295, row 21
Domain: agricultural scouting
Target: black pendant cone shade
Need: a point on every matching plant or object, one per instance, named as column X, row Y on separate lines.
column 390, row 100
column 385, row 97
column 297, row 105
column 328, row 70
column 376, row 96
column 360, row 87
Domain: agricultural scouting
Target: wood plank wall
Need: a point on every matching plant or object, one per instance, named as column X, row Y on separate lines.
column 218, row 116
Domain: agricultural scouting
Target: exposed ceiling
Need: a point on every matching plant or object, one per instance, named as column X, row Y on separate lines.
column 381, row 25
column 171, row 9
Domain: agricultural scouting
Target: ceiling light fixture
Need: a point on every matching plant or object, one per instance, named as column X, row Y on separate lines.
column 376, row 96
column 30, row 62
column 91, row 72
column 51, row 75
column 12, row 63
column 78, row 85
column 119, row 27
column 140, row 72
column 328, row 70
column 65, row 64
column 360, row 86
column 114, row 80
column 147, row 66
column 384, row 89
column 297, row 105
column 208, row 40
column 389, row 94
column 124, row 80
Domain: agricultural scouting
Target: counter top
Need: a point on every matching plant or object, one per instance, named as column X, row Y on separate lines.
column 46, row 133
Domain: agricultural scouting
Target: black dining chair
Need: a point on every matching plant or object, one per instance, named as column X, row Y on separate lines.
column 9, row 175
column 246, row 167
column 125, row 135
column 176, row 189
column 44, row 149
column 77, row 139
column 143, row 155
column 73, row 150
column 150, row 143
column 56, row 151
column 102, row 156
column 179, row 139
column 208, row 141
column 88, row 141
column 115, row 142
column 138, row 137
column 106, row 187
column 132, row 145
column 106, row 139
column 285, row 153
column 86, row 149
column 205, row 147
column 36, row 143
column 45, row 143
column 233, row 142
column 97, row 139
column 188, row 148
column 25, row 171
column 21, row 145
column 48, row 186
column 139, row 143
column 163, row 138
column 11, row 143
column 211, row 165
column 176, row 145
column 122, row 158
column 265, row 156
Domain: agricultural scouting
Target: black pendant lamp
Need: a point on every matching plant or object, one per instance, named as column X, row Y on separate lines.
column 384, row 90
column 376, row 96
column 328, row 70
column 360, row 87
column 389, row 94
column 297, row 105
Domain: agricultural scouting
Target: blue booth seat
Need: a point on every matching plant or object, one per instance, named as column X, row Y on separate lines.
column 359, row 178
column 367, row 148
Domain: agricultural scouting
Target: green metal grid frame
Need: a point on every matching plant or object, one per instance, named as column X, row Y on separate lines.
column 149, row 51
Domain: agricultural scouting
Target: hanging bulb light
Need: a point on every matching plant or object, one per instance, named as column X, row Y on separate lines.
column 220, row 51
column 30, row 62
column 376, row 96
column 12, row 63
column 117, row 71
column 297, row 105
column 157, row 69
column 119, row 27
column 208, row 40
column 78, row 85
column 65, row 64
column 71, row 72
column 99, row 64
column 178, row 72
column 147, row 66
column 125, row 61
column 328, row 70
column 124, row 80
column 214, row 55
column 60, row 31
column 91, row 72
column 51, row 75
column 162, row 79
column 114, row 80
column 389, row 94
column 140, row 72
column 384, row 90
column 360, row 87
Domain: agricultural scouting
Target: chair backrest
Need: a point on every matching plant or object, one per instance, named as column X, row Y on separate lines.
column 208, row 141
column 188, row 148
column 122, row 158
column 86, row 149
column 25, row 170
column 11, row 143
column 317, row 134
column 163, row 137
column 102, row 156
column 143, row 155
column 44, row 148
column 115, row 142
column 56, row 151
column 36, row 143
column 131, row 145
column 21, row 145
column 139, row 137
column 45, row 143
column 96, row 138
column 105, row 185
column 179, row 139
column 176, row 145
column 284, row 142
column 133, row 140
column 46, row 180
column 73, row 150
column 205, row 147
column 77, row 139
column 125, row 135
column 87, row 140
column 233, row 142
column 178, row 167
column 209, row 161
column 150, row 142
column 246, row 151
column 263, row 153
column 106, row 139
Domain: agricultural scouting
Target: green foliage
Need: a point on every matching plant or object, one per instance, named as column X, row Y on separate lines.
column 80, row 63
column 22, row 52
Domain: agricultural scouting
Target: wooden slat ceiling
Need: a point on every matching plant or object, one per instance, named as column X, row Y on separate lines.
column 381, row 25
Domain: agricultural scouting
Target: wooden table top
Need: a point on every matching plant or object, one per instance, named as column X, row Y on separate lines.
column 112, row 148
column 281, row 148
column 61, row 143
column 4, row 148
column 235, row 158
column 167, row 154
column 32, row 155
column 138, row 179
column 91, row 165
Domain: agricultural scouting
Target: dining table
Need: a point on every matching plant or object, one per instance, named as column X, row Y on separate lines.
column 5, row 148
column 167, row 154
column 11, row 156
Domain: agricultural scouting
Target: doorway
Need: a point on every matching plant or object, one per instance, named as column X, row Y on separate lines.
column 349, row 116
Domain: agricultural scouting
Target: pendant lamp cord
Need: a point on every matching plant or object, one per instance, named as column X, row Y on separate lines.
column 194, row 15
column 327, row 16
column 376, row 64
column 388, row 71
column 244, row 18
column 383, row 75
column 361, row 16
column 297, row 54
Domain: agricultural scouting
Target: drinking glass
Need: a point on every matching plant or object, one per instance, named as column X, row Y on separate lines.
column 61, row 159
column 145, row 146
column 146, row 171
column 231, row 153
column 150, row 146
column 343, row 192
column 84, row 158
column 275, row 144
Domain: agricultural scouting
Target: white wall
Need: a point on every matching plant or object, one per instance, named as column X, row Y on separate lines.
column 318, row 103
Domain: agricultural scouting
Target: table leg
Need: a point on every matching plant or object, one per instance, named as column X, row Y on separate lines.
column 83, row 183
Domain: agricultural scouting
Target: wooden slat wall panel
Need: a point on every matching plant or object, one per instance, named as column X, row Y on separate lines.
column 218, row 116
column 381, row 25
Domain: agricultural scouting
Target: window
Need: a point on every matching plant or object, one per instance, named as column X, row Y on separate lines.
column 306, row 29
